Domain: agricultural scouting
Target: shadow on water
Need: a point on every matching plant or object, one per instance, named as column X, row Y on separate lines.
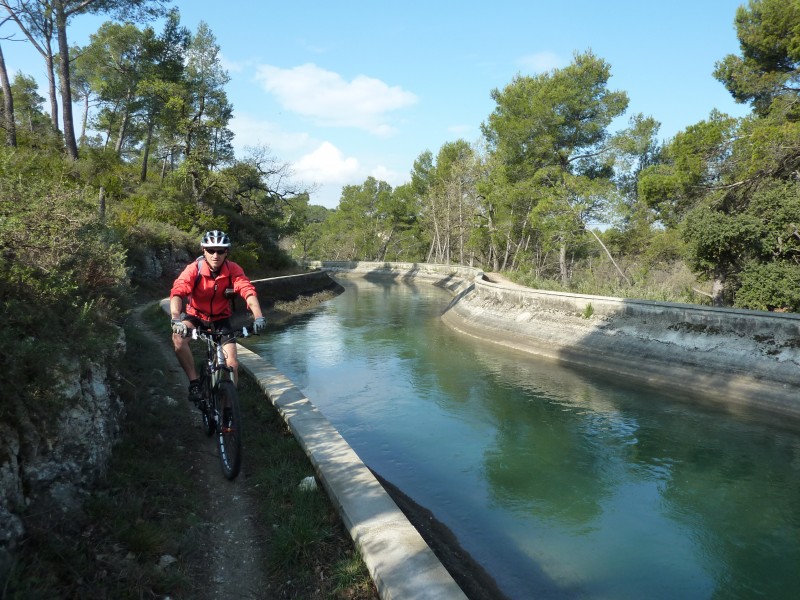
column 559, row 483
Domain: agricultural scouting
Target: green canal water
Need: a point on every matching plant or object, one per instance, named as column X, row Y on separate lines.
column 559, row 483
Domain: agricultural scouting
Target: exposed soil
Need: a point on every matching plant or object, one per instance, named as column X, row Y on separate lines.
column 234, row 563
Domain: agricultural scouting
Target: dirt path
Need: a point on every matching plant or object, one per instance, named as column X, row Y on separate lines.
column 235, row 559
column 239, row 548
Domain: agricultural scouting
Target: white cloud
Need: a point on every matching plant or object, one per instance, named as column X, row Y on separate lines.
column 229, row 65
column 461, row 129
column 391, row 177
column 251, row 131
column 330, row 100
column 327, row 165
column 541, row 62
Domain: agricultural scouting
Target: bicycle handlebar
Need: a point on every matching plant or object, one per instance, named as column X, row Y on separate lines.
column 201, row 332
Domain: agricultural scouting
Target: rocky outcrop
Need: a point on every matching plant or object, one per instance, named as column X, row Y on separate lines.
column 48, row 464
column 155, row 264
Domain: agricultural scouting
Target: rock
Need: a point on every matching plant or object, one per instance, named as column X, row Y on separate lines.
column 48, row 464
column 308, row 484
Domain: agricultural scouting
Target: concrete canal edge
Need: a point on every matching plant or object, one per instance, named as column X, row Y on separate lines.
column 400, row 562
column 742, row 359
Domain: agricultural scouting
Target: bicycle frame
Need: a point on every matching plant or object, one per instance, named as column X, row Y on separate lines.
column 216, row 364
column 220, row 405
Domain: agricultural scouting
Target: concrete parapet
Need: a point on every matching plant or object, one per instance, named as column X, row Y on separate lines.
column 744, row 359
column 399, row 561
column 452, row 277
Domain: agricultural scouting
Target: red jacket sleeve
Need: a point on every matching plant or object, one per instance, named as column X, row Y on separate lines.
column 183, row 284
column 241, row 283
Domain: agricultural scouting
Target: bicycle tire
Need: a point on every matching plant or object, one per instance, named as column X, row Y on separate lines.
column 207, row 404
column 229, row 429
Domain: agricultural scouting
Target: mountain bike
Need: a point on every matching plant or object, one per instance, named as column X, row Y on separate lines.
column 220, row 403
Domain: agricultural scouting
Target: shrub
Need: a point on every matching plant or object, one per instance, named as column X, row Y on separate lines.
column 62, row 277
column 770, row 286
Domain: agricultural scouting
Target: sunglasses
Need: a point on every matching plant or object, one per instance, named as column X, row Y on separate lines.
column 216, row 250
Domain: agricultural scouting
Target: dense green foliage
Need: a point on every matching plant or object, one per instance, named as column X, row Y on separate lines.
column 715, row 209
column 557, row 199
column 75, row 233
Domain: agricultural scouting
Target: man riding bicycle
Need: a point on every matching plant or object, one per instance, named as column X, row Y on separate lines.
column 203, row 286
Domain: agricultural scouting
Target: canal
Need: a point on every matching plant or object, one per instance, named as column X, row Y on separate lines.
column 559, row 483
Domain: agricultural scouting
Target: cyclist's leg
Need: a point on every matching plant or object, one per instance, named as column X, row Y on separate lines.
column 184, row 354
column 232, row 360
column 229, row 346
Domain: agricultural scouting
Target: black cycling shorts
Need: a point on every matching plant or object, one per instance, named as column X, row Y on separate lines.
column 221, row 325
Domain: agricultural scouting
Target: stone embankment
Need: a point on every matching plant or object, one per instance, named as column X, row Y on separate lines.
column 48, row 461
column 741, row 359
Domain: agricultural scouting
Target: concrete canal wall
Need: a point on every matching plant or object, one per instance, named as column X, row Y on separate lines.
column 400, row 562
column 746, row 360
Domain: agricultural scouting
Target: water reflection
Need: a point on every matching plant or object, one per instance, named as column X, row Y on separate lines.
column 559, row 483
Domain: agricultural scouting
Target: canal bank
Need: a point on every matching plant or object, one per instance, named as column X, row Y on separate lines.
column 565, row 327
column 399, row 560
column 745, row 361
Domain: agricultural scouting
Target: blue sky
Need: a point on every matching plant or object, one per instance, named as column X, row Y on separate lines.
column 345, row 90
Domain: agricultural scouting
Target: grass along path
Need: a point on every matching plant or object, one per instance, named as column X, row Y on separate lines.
column 165, row 523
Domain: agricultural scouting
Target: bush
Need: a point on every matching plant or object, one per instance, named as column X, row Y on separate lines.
column 62, row 277
column 770, row 286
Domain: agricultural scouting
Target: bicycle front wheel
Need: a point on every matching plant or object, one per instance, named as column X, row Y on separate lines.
column 229, row 429
column 207, row 404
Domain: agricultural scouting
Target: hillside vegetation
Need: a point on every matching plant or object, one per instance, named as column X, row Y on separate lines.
column 105, row 193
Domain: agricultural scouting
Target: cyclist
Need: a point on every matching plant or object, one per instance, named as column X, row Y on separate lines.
column 202, row 287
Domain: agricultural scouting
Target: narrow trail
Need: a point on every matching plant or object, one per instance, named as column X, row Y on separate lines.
column 234, row 557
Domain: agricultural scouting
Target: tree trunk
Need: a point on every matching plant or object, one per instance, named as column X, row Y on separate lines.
column 70, row 144
column 430, row 251
column 562, row 264
column 718, row 289
column 146, row 150
column 101, row 209
column 51, row 90
column 84, row 118
column 611, row 258
column 164, row 167
column 8, row 104
column 461, row 227
column 122, row 129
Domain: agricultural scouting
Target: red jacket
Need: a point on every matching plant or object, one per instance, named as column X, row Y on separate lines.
column 207, row 299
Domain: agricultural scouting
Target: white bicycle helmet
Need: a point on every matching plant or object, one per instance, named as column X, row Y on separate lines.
column 215, row 239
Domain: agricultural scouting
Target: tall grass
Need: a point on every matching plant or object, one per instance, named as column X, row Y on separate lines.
column 666, row 282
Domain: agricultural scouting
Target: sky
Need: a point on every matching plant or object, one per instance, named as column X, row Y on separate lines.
column 342, row 91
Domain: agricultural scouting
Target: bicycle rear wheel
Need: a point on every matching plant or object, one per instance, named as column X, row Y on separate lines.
column 229, row 429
